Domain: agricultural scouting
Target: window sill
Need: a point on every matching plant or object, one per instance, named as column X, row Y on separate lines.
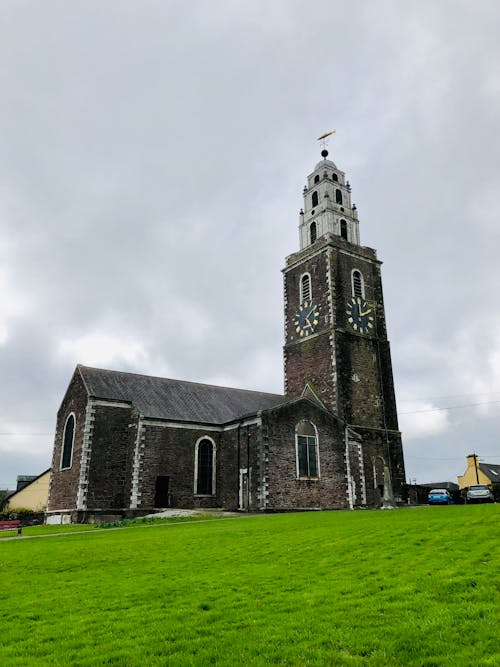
column 204, row 495
column 308, row 479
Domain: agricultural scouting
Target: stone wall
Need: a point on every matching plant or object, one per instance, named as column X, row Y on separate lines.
column 386, row 446
column 285, row 490
column 171, row 452
column 63, row 487
column 111, row 457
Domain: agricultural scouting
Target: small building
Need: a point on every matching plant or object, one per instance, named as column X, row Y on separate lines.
column 479, row 473
column 418, row 493
column 31, row 493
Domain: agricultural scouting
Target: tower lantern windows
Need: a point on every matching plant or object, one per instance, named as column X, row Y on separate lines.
column 313, row 232
column 338, row 196
column 335, row 177
column 316, row 178
column 314, row 199
column 343, row 228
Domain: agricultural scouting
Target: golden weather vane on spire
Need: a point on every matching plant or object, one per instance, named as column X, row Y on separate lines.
column 324, row 138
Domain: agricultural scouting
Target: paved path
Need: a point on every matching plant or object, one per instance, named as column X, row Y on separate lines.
column 223, row 517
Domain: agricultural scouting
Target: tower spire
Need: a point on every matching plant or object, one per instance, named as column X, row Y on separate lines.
column 328, row 208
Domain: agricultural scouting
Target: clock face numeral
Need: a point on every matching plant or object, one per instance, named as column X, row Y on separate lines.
column 360, row 315
column 306, row 319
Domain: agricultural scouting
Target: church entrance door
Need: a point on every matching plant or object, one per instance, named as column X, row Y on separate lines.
column 161, row 495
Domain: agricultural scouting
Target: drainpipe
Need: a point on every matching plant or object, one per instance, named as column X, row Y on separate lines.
column 238, row 467
column 248, row 467
column 348, row 469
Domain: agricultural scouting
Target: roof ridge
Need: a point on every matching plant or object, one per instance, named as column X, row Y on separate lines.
column 489, row 465
column 191, row 382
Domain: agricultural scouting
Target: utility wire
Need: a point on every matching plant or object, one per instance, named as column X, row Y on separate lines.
column 411, row 412
column 428, row 398
column 28, row 434
column 449, row 407
column 455, row 458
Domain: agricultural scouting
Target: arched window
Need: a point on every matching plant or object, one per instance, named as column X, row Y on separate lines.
column 338, row 196
column 316, row 178
column 204, row 474
column 68, row 440
column 314, row 199
column 358, row 284
column 312, row 230
column 343, row 229
column 335, row 177
column 305, row 288
column 307, row 450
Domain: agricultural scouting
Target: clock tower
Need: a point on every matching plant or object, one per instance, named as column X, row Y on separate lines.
column 336, row 347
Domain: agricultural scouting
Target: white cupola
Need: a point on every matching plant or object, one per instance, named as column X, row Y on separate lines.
column 327, row 205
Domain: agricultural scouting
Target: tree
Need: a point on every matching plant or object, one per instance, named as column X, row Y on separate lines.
column 4, row 493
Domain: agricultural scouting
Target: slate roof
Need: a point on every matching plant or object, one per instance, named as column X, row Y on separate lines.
column 177, row 400
column 450, row 486
column 491, row 470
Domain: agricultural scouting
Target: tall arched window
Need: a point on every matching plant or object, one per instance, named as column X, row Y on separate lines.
column 68, row 440
column 204, row 467
column 314, row 199
column 316, row 179
column 358, row 286
column 307, row 450
column 313, row 232
column 305, row 288
column 343, row 229
column 338, row 196
column 335, row 177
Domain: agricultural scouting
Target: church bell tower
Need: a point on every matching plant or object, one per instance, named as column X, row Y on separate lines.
column 336, row 344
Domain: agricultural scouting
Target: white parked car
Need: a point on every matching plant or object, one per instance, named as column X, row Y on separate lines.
column 479, row 493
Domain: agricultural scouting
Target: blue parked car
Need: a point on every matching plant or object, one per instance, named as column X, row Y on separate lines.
column 439, row 497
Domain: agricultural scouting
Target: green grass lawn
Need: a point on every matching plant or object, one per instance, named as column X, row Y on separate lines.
column 408, row 587
column 54, row 529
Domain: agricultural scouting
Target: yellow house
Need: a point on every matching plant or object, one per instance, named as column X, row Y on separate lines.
column 33, row 496
column 478, row 473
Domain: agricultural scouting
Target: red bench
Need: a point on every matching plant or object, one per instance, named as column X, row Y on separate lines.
column 13, row 524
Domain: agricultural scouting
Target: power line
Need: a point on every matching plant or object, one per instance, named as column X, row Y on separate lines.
column 28, row 421
column 450, row 407
column 428, row 398
column 410, row 412
column 455, row 458
column 28, row 434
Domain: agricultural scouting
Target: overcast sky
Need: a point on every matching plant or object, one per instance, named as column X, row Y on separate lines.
column 152, row 160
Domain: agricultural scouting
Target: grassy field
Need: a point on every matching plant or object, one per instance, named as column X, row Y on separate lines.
column 408, row 587
column 34, row 531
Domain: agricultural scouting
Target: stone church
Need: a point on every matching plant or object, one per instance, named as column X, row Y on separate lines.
column 126, row 444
